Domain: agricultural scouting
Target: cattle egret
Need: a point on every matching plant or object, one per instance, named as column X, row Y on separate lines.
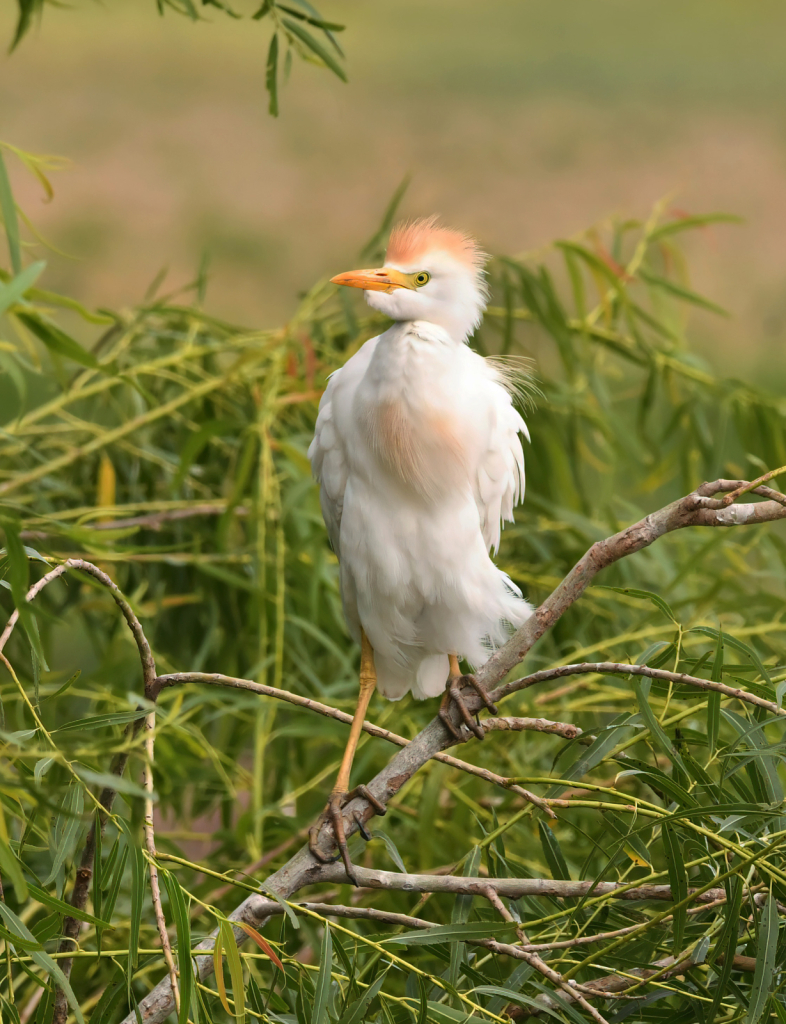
column 419, row 459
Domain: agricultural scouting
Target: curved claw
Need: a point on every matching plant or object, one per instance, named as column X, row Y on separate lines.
column 480, row 691
column 333, row 813
column 313, row 838
column 453, row 692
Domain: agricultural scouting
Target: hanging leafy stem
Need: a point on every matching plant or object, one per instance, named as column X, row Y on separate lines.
column 297, row 23
column 291, row 21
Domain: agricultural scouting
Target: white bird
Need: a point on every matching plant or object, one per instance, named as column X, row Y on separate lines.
column 418, row 453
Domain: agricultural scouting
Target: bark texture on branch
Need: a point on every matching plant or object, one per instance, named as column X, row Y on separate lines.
column 510, row 888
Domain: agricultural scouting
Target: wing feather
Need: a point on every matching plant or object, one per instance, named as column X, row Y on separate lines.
column 329, row 464
column 500, row 483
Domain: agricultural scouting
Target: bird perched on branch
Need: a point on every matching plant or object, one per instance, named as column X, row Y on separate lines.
column 419, row 459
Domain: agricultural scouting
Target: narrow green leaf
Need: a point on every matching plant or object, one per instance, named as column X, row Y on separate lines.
column 8, row 211
column 459, row 932
column 271, row 75
column 316, row 47
column 460, row 915
column 98, row 871
column 283, row 903
column 606, row 741
column 12, row 869
column 218, row 969
column 656, row 779
column 62, row 907
column 42, row 959
column 657, row 733
column 66, row 828
column 180, row 915
column 646, row 595
column 104, row 1011
column 765, row 960
column 423, row 1009
column 356, row 1012
column 118, row 870
column 322, row 987
column 328, row 26
column 738, row 645
column 714, row 699
column 651, row 655
column 727, row 941
column 108, row 780
column 66, row 686
column 688, row 223
column 101, row 721
column 552, row 851
column 235, row 970
column 15, row 289
column 680, row 292
column 631, row 844
column 56, row 340
column 678, row 879
column 391, row 847
column 19, row 578
column 138, row 879
column 511, row 996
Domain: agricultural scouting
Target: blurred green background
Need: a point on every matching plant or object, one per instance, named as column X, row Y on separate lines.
column 521, row 121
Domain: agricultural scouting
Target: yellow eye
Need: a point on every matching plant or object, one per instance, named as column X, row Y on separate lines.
column 422, row 278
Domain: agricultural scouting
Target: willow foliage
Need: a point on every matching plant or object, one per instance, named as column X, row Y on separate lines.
column 169, row 448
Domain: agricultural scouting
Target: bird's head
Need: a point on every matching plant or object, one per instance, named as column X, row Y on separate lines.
column 431, row 273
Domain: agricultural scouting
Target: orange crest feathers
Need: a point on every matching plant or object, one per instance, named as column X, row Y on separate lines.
column 412, row 240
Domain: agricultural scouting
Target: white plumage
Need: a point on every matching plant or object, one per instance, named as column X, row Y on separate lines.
column 418, row 452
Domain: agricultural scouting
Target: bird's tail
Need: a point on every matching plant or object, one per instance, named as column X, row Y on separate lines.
column 426, row 677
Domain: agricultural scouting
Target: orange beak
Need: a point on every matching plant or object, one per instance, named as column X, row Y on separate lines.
column 383, row 280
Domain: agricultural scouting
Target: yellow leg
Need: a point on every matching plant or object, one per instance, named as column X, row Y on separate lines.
column 340, row 794
column 368, row 683
column 454, row 666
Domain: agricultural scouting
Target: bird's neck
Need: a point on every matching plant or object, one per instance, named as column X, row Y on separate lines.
column 425, row 330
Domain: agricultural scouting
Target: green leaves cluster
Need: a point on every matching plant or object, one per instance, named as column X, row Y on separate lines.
column 297, row 25
column 170, row 447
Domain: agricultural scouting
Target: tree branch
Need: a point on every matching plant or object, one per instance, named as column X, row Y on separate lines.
column 489, row 724
column 150, row 520
column 620, row 668
column 696, row 509
column 510, row 888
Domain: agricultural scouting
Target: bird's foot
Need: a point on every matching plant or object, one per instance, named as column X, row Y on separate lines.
column 333, row 813
column 453, row 693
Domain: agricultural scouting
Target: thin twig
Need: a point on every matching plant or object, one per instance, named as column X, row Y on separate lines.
column 151, row 521
column 753, row 486
column 150, row 843
column 575, row 990
column 620, row 668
